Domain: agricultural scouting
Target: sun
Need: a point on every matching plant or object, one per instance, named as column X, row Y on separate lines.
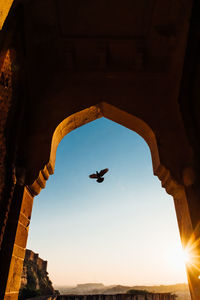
column 176, row 258
column 186, row 256
column 185, row 259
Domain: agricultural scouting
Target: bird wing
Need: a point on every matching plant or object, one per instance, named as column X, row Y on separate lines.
column 93, row 176
column 104, row 171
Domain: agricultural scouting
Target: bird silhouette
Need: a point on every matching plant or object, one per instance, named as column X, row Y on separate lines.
column 99, row 175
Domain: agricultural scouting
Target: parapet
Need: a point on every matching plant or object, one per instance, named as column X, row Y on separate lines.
column 34, row 257
column 150, row 296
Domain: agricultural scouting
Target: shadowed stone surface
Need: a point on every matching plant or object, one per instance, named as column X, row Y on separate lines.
column 132, row 62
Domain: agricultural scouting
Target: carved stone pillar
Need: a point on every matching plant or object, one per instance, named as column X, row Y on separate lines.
column 187, row 208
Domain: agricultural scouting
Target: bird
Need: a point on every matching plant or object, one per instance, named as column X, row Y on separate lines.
column 99, row 175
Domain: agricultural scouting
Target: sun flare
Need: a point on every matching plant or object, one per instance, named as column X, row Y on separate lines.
column 176, row 258
column 187, row 256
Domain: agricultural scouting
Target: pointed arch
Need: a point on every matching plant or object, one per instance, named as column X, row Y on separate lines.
column 90, row 114
column 134, row 123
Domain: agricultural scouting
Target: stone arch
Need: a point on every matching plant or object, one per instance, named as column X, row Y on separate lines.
column 134, row 123
column 67, row 125
column 88, row 115
column 103, row 109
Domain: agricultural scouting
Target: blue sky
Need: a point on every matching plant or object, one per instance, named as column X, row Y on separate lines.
column 122, row 231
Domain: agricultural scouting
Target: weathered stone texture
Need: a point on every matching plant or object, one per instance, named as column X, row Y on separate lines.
column 11, row 296
column 34, row 257
column 35, row 275
column 20, row 237
column 5, row 106
column 14, row 278
column 156, row 296
column 75, row 57
column 4, row 9
column 5, row 103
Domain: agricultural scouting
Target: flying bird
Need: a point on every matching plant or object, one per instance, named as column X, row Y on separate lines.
column 99, row 175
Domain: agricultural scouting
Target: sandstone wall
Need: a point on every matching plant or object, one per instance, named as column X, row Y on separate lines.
column 4, row 10
column 34, row 279
column 5, row 102
column 163, row 296
column 6, row 89
column 39, row 262
column 43, row 298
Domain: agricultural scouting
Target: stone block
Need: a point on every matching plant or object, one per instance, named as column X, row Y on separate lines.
column 21, row 236
column 19, row 251
column 24, row 220
column 13, row 296
column 27, row 203
column 14, row 278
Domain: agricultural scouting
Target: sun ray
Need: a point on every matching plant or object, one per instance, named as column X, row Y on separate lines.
column 192, row 253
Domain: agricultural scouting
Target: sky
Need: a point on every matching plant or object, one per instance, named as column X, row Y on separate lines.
column 122, row 231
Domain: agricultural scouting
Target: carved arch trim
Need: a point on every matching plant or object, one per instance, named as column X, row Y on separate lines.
column 121, row 117
column 143, row 129
column 88, row 115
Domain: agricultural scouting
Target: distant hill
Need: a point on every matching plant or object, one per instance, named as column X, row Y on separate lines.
column 181, row 290
column 88, row 286
column 117, row 289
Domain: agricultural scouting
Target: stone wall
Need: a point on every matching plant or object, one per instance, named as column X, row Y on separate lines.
column 34, row 257
column 34, row 279
column 5, row 102
column 160, row 296
column 4, row 10
column 136, row 69
column 43, row 298
column 6, row 89
column 108, row 297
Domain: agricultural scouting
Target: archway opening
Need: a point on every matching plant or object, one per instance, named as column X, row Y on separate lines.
column 137, row 208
